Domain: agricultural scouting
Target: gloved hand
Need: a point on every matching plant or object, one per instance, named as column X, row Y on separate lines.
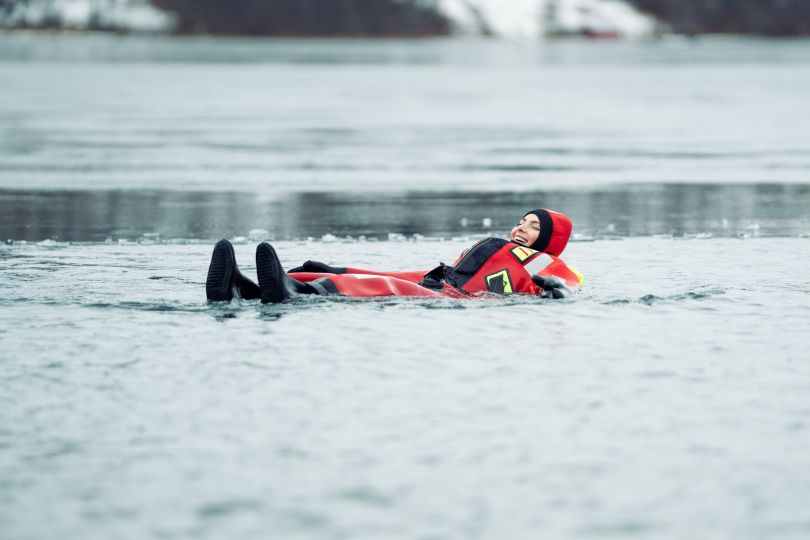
column 553, row 287
column 318, row 267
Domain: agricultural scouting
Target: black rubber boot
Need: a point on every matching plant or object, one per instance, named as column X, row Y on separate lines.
column 245, row 287
column 275, row 285
column 225, row 282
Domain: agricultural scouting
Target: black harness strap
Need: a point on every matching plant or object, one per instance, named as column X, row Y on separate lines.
column 473, row 261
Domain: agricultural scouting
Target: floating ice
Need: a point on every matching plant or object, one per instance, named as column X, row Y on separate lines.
column 396, row 237
column 258, row 234
column 150, row 238
column 579, row 237
column 49, row 242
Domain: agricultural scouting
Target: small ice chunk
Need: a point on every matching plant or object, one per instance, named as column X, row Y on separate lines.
column 396, row 237
column 464, row 222
column 258, row 234
column 328, row 238
column 150, row 238
column 486, row 222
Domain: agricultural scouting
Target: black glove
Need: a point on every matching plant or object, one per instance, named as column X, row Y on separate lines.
column 435, row 278
column 552, row 287
column 318, row 267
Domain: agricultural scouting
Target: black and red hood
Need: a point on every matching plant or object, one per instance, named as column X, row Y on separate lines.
column 555, row 230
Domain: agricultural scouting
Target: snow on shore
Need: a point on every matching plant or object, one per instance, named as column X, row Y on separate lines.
column 132, row 15
column 537, row 18
column 526, row 19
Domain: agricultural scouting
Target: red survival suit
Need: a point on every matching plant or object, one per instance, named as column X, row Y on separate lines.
column 492, row 265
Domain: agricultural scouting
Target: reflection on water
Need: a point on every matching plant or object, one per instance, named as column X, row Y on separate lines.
column 291, row 115
column 674, row 50
column 722, row 210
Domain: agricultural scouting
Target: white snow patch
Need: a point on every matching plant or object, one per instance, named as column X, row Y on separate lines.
column 534, row 19
column 517, row 18
column 601, row 16
column 134, row 15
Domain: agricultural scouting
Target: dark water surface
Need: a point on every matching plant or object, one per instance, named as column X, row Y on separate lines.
column 636, row 210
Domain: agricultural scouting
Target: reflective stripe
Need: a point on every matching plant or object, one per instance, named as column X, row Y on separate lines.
column 538, row 263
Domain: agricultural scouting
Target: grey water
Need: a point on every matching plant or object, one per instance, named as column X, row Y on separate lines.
column 615, row 210
column 669, row 399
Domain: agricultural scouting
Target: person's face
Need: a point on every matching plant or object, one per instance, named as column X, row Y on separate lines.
column 526, row 231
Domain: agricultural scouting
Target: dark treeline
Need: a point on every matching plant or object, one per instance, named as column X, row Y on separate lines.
column 306, row 17
column 762, row 17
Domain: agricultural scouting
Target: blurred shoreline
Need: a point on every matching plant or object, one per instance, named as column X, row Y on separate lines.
column 534, row 19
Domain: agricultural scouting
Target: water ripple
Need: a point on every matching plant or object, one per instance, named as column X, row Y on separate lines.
column 226, row 508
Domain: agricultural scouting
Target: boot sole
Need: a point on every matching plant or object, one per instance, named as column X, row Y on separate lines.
column 218, row 283
column 269, row 271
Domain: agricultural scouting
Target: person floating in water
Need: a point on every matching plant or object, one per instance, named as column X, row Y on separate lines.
column 528, row 263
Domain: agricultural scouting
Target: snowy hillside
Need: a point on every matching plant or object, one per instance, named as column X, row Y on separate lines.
column 530, row 19
column 134, row 15
column 538, row 18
